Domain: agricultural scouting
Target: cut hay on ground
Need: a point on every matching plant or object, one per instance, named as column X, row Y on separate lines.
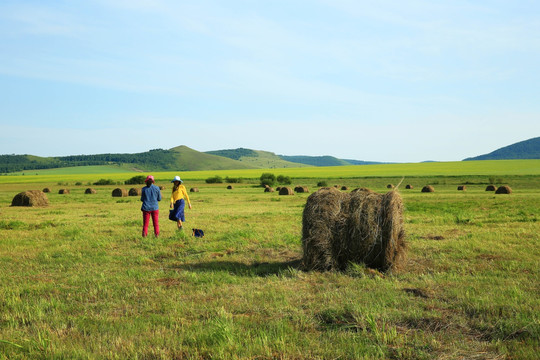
column 119, row 192
column 505, row 189
column 462, row 188
column 360, row 227
column 30, row 198
column 285, row 190
column 408, row 186
column 63, row 191
column 46, row 190
column 491, row 188
column 194, row 189
column 301, row 189
column 428, row 188
column 90, row 191
column 135, row 192
column 268, row 189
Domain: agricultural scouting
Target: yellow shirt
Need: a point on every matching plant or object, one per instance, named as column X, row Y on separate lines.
column 180, row 193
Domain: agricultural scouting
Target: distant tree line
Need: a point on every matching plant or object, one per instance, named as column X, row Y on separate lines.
column 157, row 159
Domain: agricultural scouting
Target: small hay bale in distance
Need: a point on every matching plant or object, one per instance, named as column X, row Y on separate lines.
column 230, row 187
column 462, row 188
column 359, row 227
column 505, row 189
column 63, row 191
column 194, row 189
column 268, row 189
column 119, row 192
column 389, row 186
column 344, row 188
column 134, row 192
column 46, row 190
column 301, row 189
column 285, row 190
column 491, row 188
column 90, row 191
column 30, row 198
column 161, row 187
column 428, row 188
column 409, row 186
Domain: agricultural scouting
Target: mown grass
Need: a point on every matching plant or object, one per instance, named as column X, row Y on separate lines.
column 78, row 281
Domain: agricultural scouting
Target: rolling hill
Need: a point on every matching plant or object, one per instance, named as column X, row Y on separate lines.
column 528, row 149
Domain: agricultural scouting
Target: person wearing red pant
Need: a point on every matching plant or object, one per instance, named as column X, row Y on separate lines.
column 150, row 196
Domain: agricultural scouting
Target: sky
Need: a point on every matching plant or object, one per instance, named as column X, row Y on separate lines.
column 392, row 81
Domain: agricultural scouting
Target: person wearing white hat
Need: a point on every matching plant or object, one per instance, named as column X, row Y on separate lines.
column 179, row 198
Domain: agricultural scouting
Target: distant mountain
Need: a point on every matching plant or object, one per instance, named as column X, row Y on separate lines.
column 180, row 158
column 528, row 149
column 257, row 158
column 315, row 160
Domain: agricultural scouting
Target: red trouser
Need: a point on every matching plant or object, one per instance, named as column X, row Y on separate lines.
column 146, row 221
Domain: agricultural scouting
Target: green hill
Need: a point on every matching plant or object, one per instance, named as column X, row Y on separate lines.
column 257, row 158
column 188, row 159
column 528, row 149
column 316, row 160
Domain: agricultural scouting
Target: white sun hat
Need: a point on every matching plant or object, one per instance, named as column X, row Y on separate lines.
column 176, row 178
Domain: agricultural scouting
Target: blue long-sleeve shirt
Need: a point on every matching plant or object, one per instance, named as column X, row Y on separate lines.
column 150, row 196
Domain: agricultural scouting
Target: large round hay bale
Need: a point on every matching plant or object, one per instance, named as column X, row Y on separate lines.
column 268, row 189
column 278, row 189
column 409, row 186
column 491, row 188
column 285, row 190
column 301, row 189
column 322, row 213
column 462, row 188
column 63, row 191
column 505, row 189
column 135, row 192
column 194, row 189
column 30, row 198
column 360, row 227
column 90, row 191
column 119, row 192
column 428, row 188
column 46, row 190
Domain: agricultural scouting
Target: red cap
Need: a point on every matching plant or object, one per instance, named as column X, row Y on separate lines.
column 149, row 177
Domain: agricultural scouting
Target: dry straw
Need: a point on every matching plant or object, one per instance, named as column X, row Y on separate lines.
column 30, row 198
column 119, row 192
column 285, row 190
column 505, row 189
column 357, row 227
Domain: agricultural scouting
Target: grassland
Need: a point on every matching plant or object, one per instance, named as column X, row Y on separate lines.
column 78, row 280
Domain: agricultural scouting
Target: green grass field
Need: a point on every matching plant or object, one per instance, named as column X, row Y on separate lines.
column 79, row 282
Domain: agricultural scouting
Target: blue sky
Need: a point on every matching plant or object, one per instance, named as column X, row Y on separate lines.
column 402, row 81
